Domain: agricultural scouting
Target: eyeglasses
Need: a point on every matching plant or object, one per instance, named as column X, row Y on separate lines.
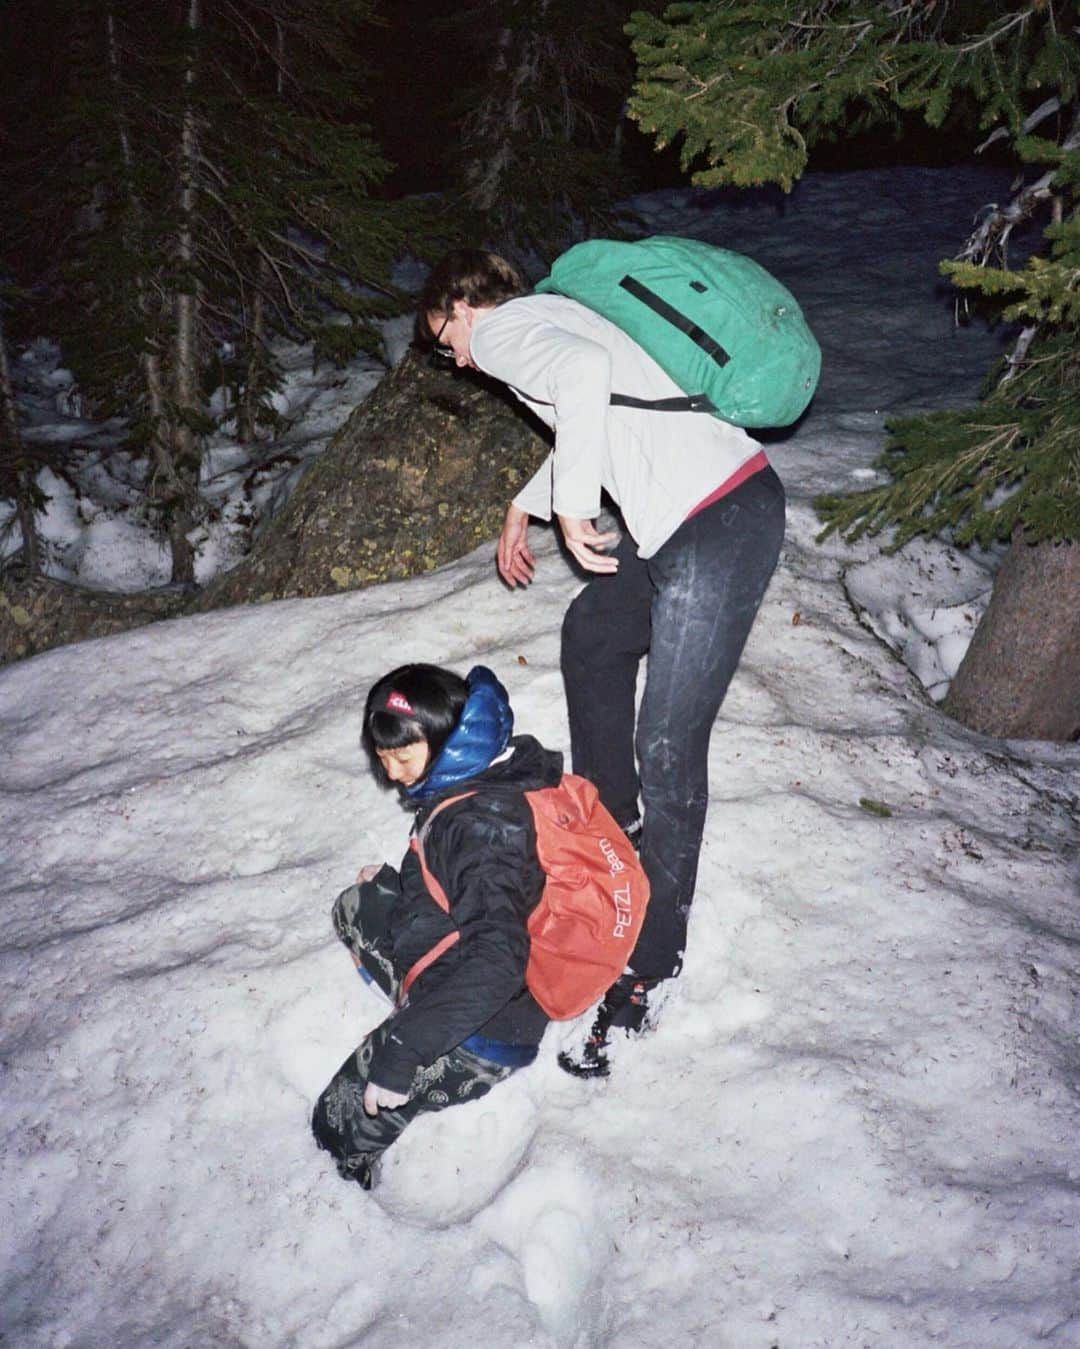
column 441, row 348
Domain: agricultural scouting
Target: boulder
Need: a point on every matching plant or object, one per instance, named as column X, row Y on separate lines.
column 37, row 613
column 420, row 474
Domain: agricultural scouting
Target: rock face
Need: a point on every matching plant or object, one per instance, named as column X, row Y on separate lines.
column 419, row 475
column 37, row 614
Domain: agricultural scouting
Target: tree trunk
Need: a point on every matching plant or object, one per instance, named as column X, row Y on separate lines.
column 489, row 129
column 250, row 400
column 186, row 369
column 16, row 456
column 250, row 396
column 165, row 481
column 1020, row 678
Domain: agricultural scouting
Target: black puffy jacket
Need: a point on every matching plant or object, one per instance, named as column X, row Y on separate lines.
column 482, row 850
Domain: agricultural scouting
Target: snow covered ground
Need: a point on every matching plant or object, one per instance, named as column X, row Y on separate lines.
column 857, row 1121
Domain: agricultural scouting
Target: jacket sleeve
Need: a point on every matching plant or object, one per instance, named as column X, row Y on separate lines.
column 487, row 865
column 535, row 496
column 548, row 364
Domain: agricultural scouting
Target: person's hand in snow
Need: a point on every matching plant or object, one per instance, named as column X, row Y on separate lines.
column 369, row 873
column 587, row 544
column 513, row 556
column 378, row 1098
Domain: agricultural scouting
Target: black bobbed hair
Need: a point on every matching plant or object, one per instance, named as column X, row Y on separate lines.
column 412, row 703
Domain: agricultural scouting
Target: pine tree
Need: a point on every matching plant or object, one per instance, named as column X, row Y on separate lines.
column 211, row 187
column 539, row 115
column 747, row 90
column 17, row 465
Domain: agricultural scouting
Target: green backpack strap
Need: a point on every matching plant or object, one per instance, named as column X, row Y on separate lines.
column 677, row 318
column 696, row 402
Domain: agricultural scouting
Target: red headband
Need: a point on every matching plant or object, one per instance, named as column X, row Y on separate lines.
column 397, row 702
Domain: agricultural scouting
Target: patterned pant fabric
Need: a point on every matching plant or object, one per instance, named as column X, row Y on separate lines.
column 356, row 1140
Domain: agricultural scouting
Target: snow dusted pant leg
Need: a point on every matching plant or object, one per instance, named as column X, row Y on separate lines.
column 360, row 916
column 356, row 1140
column 709, row 580
column 605, row 634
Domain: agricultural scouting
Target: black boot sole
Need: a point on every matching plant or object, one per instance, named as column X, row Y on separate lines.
column 588, row 1065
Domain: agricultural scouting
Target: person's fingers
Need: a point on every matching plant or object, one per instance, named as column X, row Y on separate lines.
column 516, row 565
column 376, row 1098
column 511, row 547
column 510, row 573
column 593, row 561
column 586, row 533
column 586, row 542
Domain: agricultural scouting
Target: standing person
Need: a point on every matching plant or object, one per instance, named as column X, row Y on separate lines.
column 468, row 1020
column 704, row 520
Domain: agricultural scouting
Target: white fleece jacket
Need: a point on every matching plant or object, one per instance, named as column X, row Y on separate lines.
column 563, row 361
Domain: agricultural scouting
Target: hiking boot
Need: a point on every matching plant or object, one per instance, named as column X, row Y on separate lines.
column 363, row 1167
column 625, row 1007
column 358, row 1166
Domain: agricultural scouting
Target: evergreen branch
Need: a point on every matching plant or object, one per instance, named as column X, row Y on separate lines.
column 978, row 472
column 992, row 234
column 995, row 35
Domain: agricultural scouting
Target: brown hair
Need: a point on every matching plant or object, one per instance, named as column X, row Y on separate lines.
column 470, row 274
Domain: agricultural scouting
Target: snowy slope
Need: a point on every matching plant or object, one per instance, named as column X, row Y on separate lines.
column 857, row 1121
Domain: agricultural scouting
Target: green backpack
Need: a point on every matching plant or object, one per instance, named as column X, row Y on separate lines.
column 729, row 334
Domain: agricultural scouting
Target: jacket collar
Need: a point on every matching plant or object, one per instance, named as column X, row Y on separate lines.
column 482, row 733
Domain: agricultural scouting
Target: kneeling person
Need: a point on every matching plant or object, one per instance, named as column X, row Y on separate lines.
column 463, row 1017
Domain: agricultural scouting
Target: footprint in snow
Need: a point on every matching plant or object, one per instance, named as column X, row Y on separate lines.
column 547, row 1219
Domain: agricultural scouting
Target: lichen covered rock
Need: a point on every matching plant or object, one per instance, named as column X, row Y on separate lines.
column 420, row 474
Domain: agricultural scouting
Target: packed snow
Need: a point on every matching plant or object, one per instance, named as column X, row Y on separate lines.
column 856, row 1121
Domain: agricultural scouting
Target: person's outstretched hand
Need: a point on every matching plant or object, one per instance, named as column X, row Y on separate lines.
column 378, row 1098
column 587, row 543
column 513, row 556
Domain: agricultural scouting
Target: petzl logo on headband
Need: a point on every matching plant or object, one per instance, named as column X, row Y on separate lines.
column 397, row 702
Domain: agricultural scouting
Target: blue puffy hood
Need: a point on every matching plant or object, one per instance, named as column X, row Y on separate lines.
column 482, row 733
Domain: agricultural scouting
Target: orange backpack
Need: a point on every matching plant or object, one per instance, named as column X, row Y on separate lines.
column 587, row 919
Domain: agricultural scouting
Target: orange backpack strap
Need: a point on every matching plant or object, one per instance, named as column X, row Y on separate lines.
column 417, row 968
column 437, row 893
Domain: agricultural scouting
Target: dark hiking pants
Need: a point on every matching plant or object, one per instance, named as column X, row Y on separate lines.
column 690, row 607
column 353, row 1138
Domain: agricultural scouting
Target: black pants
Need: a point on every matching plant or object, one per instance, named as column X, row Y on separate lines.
column 356, row 1139
column 690, row 607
